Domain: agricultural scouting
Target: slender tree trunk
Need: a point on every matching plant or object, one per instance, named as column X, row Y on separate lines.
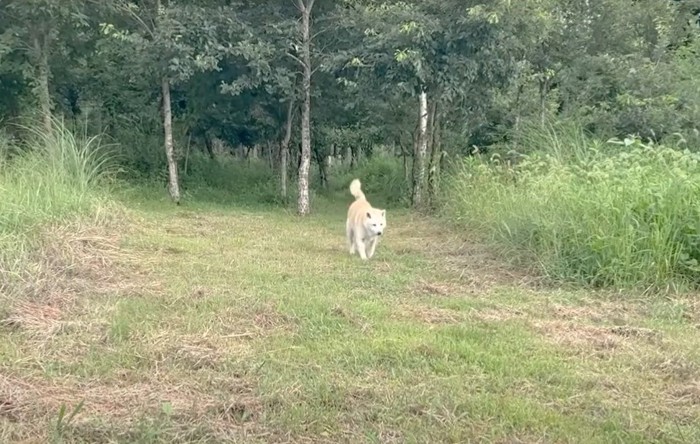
column 348, row 156
column 173, row 185
column 435, row 156
column 303, row 204
column 356, row 152
column 544, row 90
column 284, row 149
column 420, row 154
column 208, row 144
column 43, row 94
column 322, row 169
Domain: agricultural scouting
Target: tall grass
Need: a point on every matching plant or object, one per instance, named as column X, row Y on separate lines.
column 54, row 177
column 622, row 215
column 382, row 177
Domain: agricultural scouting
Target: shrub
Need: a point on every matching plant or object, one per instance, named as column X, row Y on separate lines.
column 626, row 216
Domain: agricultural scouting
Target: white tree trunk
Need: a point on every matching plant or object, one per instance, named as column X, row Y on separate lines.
column 435, row 154
column 421, row 153
column 303, row 204
column 173, row 185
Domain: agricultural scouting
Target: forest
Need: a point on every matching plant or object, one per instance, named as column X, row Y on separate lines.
column 173, row 191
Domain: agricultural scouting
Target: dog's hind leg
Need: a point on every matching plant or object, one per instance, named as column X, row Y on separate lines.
column 350, row 238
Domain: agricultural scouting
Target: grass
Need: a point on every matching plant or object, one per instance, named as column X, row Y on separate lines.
column 597, row 214
column 54, row 178
column 229, row 319
column 227, row 323
column 53, row 199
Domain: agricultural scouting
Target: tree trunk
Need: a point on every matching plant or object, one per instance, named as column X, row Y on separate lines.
column 173, row 185
column 420, row 154
column 43, row 94
column 322, row 168
column 209, row 146
column 355, row 156
column 544, row 90
column 348, row 156
column 435, row 156
column 303, row 204
column 284, row 149
column 271, row 155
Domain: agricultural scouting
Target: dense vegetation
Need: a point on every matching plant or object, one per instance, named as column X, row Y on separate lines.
column 278, row 102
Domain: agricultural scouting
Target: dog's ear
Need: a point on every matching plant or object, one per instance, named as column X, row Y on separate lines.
column 369, row 216
column 383, row 213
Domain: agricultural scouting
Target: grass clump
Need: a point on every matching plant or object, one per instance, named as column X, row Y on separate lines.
column 51, row 179
column 622, row 216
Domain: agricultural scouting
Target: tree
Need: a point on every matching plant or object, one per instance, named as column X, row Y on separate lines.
column 305, row 7
column 37, row 28
column 434, row 52
column 159, row 38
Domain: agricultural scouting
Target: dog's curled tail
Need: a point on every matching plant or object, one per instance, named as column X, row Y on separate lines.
column 356, row 189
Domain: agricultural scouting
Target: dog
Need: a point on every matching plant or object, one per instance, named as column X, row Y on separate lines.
column 364, row 225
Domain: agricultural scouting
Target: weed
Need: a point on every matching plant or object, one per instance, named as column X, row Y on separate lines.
column 623, row 216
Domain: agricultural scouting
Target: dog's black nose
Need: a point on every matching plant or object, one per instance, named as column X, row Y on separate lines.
column 379, row 233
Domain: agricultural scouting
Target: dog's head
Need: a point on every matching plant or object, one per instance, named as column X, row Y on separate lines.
column 375, row 221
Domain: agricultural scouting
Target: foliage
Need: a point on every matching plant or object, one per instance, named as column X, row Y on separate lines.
column 620, row 215
column 383, row 181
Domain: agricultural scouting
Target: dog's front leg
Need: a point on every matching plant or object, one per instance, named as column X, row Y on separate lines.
column 360, row 246
column 371, row 246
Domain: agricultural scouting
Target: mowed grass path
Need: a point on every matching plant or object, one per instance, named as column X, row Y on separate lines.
column 223, row 324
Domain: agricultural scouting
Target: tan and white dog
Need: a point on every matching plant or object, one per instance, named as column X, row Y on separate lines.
column 364, row 224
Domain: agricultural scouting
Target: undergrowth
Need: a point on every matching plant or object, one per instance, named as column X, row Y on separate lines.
column 621, row 214
column 53, row 180
column 228, row 180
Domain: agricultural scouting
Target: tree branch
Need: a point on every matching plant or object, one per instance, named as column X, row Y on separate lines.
column 301, row 62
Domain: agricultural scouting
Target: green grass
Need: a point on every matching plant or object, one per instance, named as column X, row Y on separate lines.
column 53, row 196
column 220, row 323
column 593, row 213
column 230, row 319
column 55, row 178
